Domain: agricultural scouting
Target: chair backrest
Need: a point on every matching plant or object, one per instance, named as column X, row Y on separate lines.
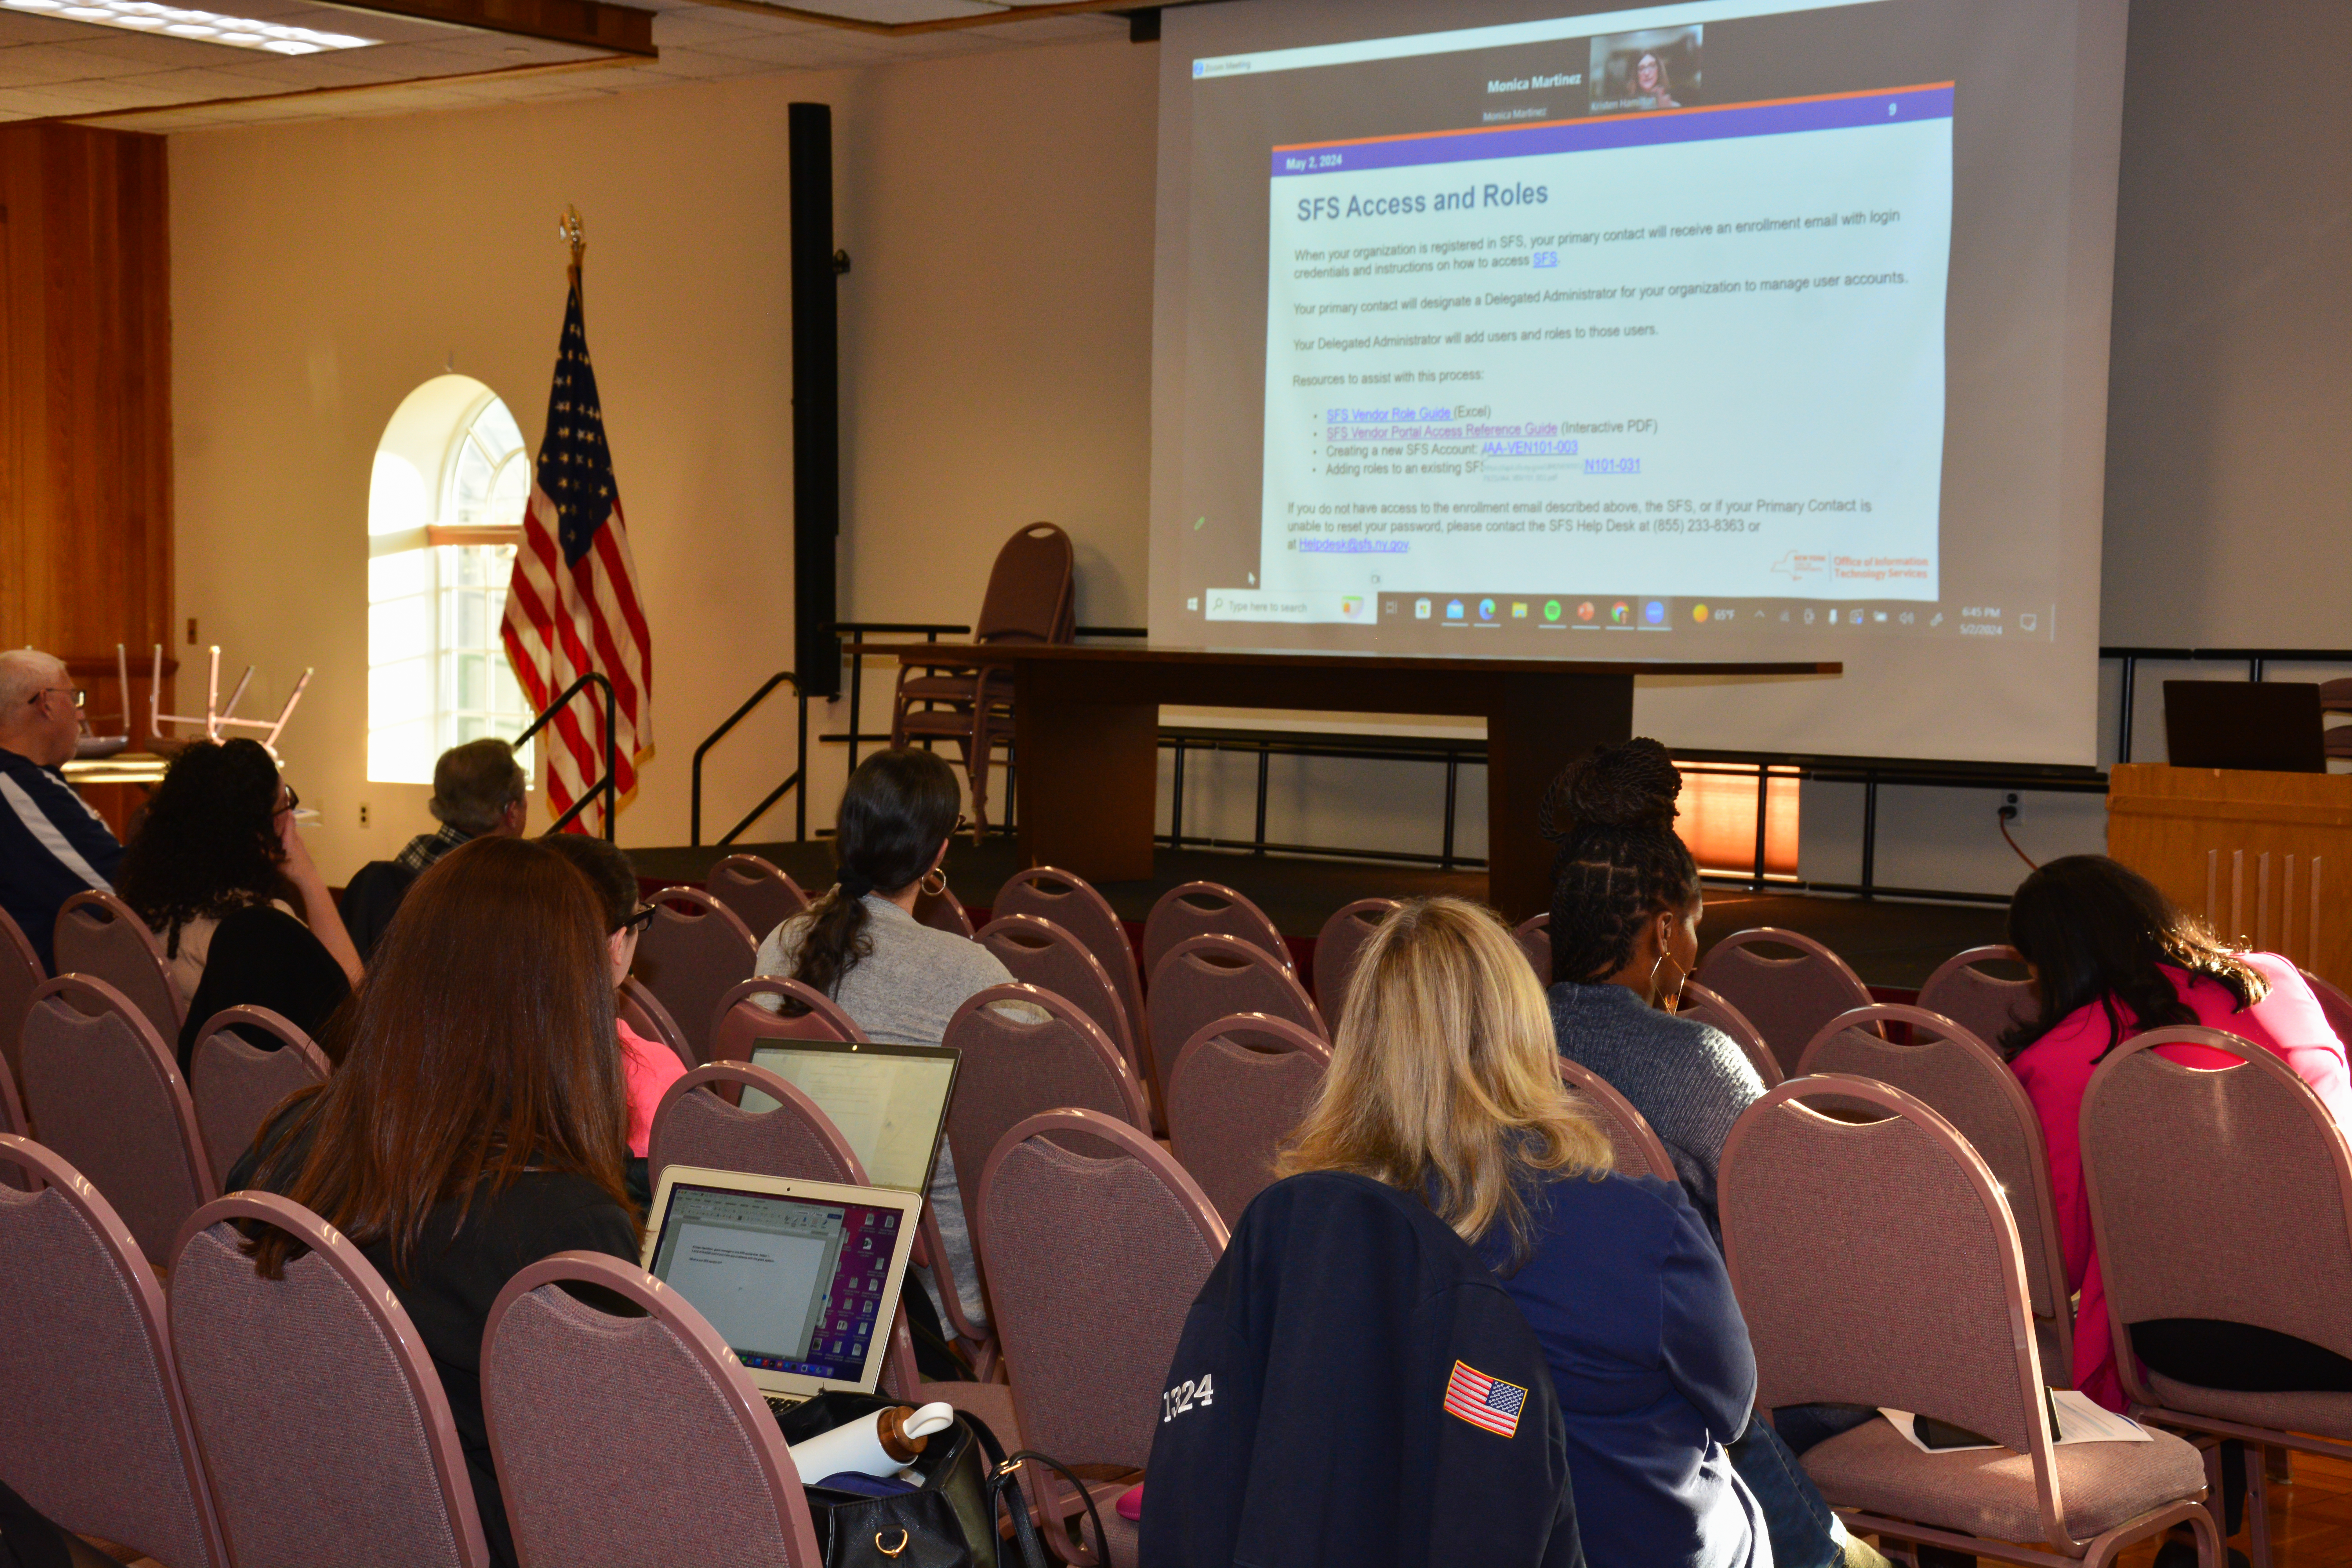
column 1336, row 946
column 1788, row 999
column 1535, row 939
column 1805, row 1201
column 98, row 935
column 1236, row 1090
column 1205, row 978
column 235, row 1084
column 1983, row 1004
column 795, row 1139
column 800, row 1013
column 644, row 1014
column 694, row 949
column 93, row 1430
column 1640, row 1150
column 2332, row 1002
column 1036, row 951
column 1206, row 908
column 758, row 890
column 20, row 976
column 1097, row 1241
column 1031, row 589
column 1070, row 901
column 1705, row 1007
column 942, row 911
column 1950, row 1070
column 13, row 1125
column 106, row 1094
column 322, row 1363
column 2216, row 1192
column 1016, row 1067
column 631, row 1439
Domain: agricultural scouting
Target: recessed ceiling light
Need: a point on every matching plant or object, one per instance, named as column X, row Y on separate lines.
column 206, row 26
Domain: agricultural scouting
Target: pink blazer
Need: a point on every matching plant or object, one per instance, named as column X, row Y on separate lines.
column 2056, row 1069
column 650, row 1068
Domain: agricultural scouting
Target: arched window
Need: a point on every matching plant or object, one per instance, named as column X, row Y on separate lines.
column 445, row 516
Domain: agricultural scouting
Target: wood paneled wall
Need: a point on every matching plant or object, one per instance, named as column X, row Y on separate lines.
column 85, row 397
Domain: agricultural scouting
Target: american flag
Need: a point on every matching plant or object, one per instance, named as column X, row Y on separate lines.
column 571, row 604
column 1483, row 1402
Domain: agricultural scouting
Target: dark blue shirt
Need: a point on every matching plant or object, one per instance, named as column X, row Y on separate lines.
column 1650, row 1360
column 51, row 847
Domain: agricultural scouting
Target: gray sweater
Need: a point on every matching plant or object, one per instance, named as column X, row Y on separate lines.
column 1690, row 1081
column 902, row 994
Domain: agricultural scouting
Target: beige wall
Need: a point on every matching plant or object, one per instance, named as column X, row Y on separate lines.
column 995, row 353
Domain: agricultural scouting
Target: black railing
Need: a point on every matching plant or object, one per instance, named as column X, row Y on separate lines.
column 2255, row 660
column 611, row 783
column 799, row 779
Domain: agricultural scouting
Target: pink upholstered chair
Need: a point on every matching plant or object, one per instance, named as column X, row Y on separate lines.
column 688, row 957
column 107, row 1095
column 235, row 1084
column 1070, row 901
column 1036, row 951
column 2221, row 1193
column 1205, row 978
column 1336, row 946
column 1535, row 939
column 1788, row 999
column 1237, row 1088
column 1096, row 1243
column 767, row 1008
column 1964, row 1081
column 13, row 1125
column 93, row 1430
column 1640, row 1150
column 2332, row 1002
column 944, row 911
column 636, row 1439
column 649, row 1020
column 323, row 1369
column 1805, row 1201
column 1206, row 908
column 1015, row 1066
column 1984, row 1003
column 98, row 935
column 761, row 896
column 20, row 976
column 1702, row 1005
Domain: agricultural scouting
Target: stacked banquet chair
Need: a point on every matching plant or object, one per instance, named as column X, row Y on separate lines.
column 2223, row 1193
column 1966, row 1082
column 1805, row 1200
column 1031, row 598
column 1788, row 999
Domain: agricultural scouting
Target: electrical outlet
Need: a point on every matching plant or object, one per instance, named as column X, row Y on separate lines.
column 363, row 815
column 192, row 631
column 2010, row 811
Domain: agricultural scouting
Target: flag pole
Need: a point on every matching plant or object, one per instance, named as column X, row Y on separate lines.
column 575, row 233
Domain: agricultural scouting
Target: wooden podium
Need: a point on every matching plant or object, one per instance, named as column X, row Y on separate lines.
column 2265, row 858
column 1087, row 733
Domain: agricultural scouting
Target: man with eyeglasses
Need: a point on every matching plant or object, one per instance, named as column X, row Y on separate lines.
column 52, row 846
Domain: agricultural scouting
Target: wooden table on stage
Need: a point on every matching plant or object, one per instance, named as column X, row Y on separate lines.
column 1087, row 733
column 2265, row 858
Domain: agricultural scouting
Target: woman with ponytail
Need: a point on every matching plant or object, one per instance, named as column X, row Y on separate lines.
column 898, row 980
column 1625, row 904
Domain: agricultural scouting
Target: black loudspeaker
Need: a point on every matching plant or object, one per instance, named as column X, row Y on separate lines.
column 817, row 403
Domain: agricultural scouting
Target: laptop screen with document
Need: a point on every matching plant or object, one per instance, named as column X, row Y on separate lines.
column 889, row 1101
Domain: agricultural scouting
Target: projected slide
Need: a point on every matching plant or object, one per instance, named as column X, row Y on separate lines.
column 1558, row 372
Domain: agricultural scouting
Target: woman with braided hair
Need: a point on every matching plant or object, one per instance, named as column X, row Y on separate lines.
column 1625, row 904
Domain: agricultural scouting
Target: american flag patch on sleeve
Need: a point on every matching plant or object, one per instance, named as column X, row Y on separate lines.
column 1483, row 1402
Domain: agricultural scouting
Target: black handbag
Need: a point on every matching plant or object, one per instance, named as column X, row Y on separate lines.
column 949, row 1521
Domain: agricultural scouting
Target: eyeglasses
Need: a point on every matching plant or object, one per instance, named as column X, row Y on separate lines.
column 76, row 692
column 293, row 801
column 639, row 919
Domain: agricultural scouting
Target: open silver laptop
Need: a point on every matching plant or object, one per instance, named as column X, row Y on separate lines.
column 801, row 1279
column 889, row 1101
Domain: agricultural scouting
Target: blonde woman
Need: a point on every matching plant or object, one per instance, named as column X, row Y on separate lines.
column 1443, row 1084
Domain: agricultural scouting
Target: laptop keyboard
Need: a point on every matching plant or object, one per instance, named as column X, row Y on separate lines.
column 779, row 1403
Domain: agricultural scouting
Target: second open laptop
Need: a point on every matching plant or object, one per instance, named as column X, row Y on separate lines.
column 801, row 1279
column 889, row 1101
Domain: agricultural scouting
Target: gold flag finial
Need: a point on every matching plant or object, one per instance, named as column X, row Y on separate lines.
column 575, row 234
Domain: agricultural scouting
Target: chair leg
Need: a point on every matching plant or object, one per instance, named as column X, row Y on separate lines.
column 2216, row 1508
column 975, row 767
column 2258, row 1505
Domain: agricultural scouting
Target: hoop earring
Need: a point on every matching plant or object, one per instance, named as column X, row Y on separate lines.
column 1672, row 1000
column 929, row 891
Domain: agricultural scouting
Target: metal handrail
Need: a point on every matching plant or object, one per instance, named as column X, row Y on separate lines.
column 799, row 775
column 2253, row 658
column 611, row 783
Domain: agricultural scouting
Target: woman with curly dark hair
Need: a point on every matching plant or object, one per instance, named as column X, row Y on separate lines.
column 218, row 871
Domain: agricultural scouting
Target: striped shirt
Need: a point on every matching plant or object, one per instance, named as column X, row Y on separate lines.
column 52, row 846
